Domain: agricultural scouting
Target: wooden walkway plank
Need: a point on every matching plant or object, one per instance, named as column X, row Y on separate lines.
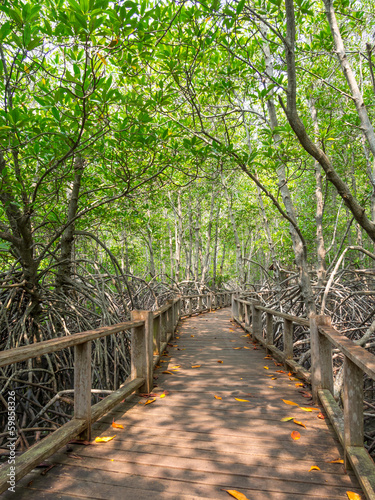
column 189, row 445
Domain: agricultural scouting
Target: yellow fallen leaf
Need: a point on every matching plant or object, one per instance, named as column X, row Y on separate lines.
column 266, row 367
column 219, row 361
column 299, row 423
column 149, row 401
column 237, row 347
column 243, row 400
column 191, row 335
column 274, row 378
column 286, row 419
column 217, row 397
column 237, row 494
column 167, row 372
column 196, row 366
column 338, row 461
column 117, row 426
column 104, row 439
column 314, row 467
column 299, row 385
column 289, row 402
column 295, row 435
column 162, row 395
column 308, row 409
column 244, row 347
column 353, row 496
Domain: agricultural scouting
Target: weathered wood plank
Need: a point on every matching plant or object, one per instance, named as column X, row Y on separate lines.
column 37, row 453
column 18, row 354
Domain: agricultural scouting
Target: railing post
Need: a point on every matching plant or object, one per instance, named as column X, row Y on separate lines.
column 288, row 338
column 269, row 329
column 190, row 306
column 157, row 335
column 171, row 320
column 247, row 315
column 234, row 307
column 353, row 404
column 257, row 320
column 200, row 304
column 321, row 356
column 82, row 386
column 209, row 301
column 240, row 311
column 141, row 349
column 163, row 327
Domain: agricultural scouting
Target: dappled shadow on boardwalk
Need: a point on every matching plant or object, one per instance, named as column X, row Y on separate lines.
column 189, row 445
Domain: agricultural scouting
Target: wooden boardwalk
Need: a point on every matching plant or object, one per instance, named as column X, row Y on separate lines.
column 189, row 445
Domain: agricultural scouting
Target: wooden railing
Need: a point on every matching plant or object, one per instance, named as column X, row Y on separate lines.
column 150, row 334
column 347, row 422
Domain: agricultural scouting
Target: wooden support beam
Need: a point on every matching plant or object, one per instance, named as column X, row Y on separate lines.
column 235, row 313
column 321, row 356
column 288, row 338
column 82, row 386
column 141, row 349
column 353, row 404
column 269, row 329
column 257, row 329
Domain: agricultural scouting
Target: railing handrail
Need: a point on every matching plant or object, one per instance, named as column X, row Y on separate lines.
column 23, row 353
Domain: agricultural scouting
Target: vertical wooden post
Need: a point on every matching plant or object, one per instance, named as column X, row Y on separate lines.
column 240, row 311
column 321, row 356
column 171, row 319
column 234, row 307
column 257, row 320
column 200, row 305
column 269, row 329
column 82, row 386
column 288, row 338
column 247, row 315
column 353, row 404
column 157, row 334
column 163, row 327
column 141, row 349
column 209, row 301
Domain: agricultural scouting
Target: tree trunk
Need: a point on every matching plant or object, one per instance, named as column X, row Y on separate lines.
column 239, row 260
column 299, row 252
column 64, row 271
column 320, row 248
column 206, row 262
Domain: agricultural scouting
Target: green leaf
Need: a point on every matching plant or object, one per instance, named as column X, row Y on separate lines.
column 56, row 114
column 16, row 15
column 240, row 6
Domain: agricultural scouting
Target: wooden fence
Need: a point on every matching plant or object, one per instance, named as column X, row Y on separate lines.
column 347, row 422
column 150, row 334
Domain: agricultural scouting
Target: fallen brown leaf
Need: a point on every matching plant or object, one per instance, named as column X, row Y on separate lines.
column 287, row 402
column 295, row 435
column 314, row 467
column 237, row 494
column 149, row 401
column 104, row 439
column 117, row 426
column 299, row 423
column 353, row 496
